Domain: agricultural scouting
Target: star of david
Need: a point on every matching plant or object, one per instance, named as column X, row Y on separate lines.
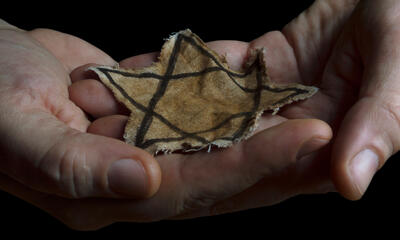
column 191, row 99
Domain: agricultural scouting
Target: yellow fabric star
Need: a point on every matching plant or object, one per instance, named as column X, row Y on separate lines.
column 190, row 98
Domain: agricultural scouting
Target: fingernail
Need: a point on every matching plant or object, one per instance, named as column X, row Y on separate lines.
column 128, row 177
column 362, row 168
column 310, row 146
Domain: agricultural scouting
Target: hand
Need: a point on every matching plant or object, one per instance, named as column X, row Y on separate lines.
column 352, row 56
column 55, row 158
column 348, row 49
column 44, row 147
column 310, row 50
column 364, row 65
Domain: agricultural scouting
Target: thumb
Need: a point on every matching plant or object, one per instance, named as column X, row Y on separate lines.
column 366, row 139
column 46, row 155
column 370, row 131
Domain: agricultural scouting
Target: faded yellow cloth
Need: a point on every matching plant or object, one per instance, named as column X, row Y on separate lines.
column 190, row 98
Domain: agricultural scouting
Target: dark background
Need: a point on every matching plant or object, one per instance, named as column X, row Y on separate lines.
column 123, row 30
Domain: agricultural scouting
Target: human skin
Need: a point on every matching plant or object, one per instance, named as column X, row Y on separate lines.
column 329, row 46
column 55, row 158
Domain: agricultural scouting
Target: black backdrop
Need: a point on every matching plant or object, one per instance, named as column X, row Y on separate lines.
column 123, row 30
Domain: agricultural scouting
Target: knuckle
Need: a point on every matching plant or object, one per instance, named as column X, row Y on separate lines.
column 391, row 110
column 195, row 201
column 64, row 165
column 200, row 195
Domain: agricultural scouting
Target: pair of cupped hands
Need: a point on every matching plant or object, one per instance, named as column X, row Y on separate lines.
column 78, row 169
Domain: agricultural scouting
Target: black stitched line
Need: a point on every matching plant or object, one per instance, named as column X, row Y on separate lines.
column 227, row 71
column 162, row 87
column 155, row 114
column 191, row 135
column 169, row 124
column 134, row 75
column 170, row 77
column 245, row 122
column 195, row 74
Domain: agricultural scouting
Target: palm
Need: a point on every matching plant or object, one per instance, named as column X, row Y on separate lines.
column 59, row 45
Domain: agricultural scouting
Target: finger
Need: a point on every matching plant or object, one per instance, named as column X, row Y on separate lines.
column 279, row 57
column 83, row 73
column 370, row 131
column 70, row 50
column 96, row 99
column 234, row 52
column 364, row 142
column 310, row 174
column 269, row 153
column 110, row 126
column 59, row 160
column 139, row 61
column 303, row 178
column 308, row 38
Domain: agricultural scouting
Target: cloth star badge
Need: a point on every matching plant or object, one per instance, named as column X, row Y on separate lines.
column 190, row 99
